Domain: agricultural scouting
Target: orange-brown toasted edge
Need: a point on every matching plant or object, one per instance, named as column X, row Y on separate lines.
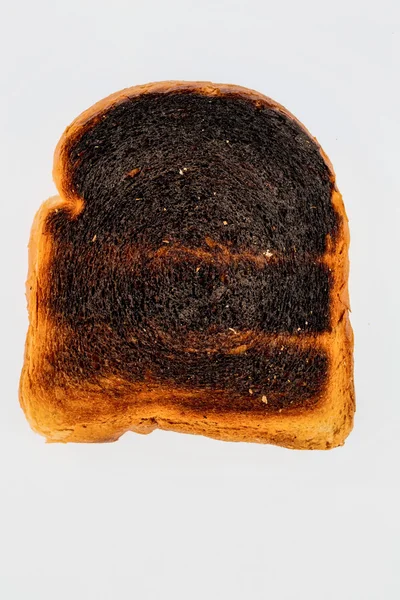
column 59, row 418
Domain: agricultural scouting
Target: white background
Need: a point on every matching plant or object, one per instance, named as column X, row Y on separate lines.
column 177, row 516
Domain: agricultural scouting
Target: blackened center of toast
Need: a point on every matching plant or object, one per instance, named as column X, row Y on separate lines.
column 202, row 216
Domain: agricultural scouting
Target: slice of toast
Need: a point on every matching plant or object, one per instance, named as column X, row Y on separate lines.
column 192, row 275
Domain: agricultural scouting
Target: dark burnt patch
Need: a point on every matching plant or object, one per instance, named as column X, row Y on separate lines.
column 186, row 170
column 266, row 377
column 126, row 290
column 203, row 161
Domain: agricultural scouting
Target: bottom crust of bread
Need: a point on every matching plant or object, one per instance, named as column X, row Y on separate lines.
column 89, row 415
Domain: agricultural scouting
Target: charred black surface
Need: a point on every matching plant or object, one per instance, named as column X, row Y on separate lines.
column 287, row 376
column 216, row 175
column 205, row 161
column 126, row 289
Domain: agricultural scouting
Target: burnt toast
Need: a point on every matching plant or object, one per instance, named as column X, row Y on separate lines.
column 191, row 275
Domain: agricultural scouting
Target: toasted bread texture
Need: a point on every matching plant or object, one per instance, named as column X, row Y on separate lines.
column 191, row 275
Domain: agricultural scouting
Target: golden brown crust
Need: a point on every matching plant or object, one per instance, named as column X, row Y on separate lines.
column 87, row 414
